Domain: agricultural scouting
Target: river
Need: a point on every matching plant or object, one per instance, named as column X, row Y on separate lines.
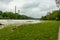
column 17, row 22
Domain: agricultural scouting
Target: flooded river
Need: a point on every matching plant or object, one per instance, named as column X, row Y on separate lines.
column 17, row 22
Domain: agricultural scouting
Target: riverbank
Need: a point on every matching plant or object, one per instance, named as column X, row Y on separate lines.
column 38, row 31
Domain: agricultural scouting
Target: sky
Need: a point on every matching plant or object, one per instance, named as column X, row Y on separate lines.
column 33, row 8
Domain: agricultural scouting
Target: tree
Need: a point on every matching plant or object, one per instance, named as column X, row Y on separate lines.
column 55, row 15
column 11, row 15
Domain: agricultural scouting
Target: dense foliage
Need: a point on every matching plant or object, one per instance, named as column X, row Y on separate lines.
column 11, row 15
column 55, row 15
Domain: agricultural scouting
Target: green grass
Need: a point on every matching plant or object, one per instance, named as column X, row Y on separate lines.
column 39, row 31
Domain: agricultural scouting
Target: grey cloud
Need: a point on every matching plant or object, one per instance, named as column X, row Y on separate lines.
column 2, row 9
column 26, row 8
column 32, row 5
column 48, row 9
column 5, row 1
column 34, row 14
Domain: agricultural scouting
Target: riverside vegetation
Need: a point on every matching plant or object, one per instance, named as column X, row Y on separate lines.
column 11, row 15
column 54, row 15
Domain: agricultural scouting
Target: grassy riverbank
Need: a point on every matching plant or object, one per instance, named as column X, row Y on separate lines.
column 39, row 31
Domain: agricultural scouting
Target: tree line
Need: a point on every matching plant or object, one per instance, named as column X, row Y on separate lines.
column 11, row 15
column 55, row 15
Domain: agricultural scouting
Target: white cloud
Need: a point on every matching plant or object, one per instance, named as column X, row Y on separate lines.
column 34, row 8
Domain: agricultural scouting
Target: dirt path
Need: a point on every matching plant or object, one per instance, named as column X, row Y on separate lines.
column 59, row 34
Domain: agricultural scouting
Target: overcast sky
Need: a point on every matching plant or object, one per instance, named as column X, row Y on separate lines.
column 33, row 8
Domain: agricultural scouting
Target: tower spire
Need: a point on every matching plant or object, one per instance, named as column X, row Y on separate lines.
column 15, row 9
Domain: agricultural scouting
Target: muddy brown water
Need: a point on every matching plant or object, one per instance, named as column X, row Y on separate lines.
column 17, row 22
